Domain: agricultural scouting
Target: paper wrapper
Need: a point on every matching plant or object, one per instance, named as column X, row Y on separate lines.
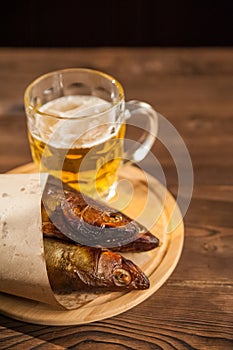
column 22, row 263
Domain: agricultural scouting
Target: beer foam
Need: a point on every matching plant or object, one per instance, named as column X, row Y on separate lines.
column 74, row 132
column 76, row 106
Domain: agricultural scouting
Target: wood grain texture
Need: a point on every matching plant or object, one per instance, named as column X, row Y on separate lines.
column 193, row 89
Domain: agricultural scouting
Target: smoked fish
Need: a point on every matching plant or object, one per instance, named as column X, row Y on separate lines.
column 70, row 215
column 85, row 269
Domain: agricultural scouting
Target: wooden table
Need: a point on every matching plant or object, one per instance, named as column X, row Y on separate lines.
column 193, row 89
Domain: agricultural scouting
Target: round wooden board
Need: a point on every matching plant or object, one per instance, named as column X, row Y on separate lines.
column 145, row 199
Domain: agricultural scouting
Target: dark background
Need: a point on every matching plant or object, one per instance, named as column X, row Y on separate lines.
column 84, row 23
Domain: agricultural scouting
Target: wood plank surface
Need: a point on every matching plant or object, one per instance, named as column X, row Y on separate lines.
column 193, row 89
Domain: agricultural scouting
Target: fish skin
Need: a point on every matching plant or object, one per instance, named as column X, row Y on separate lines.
column 82, row 219
column 86, row 269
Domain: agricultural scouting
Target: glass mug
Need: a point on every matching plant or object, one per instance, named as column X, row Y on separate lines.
column 76, row 121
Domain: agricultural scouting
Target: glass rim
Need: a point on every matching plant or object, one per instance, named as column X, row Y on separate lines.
column 66, row 70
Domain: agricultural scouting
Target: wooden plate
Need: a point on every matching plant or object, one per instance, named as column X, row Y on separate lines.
column 145, row 199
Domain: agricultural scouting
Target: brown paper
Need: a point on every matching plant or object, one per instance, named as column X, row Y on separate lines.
column 22, row 264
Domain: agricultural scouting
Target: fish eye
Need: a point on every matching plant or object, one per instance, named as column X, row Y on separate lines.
column 121, row 277
column 112, row 217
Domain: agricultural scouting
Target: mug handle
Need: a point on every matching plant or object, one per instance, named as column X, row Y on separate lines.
column 141, row 148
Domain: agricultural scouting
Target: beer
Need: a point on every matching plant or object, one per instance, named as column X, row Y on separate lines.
column 86, row 153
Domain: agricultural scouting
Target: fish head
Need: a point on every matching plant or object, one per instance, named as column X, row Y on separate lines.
column 119, row 273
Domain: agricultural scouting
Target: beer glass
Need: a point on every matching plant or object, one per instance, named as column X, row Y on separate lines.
column 76, row 121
